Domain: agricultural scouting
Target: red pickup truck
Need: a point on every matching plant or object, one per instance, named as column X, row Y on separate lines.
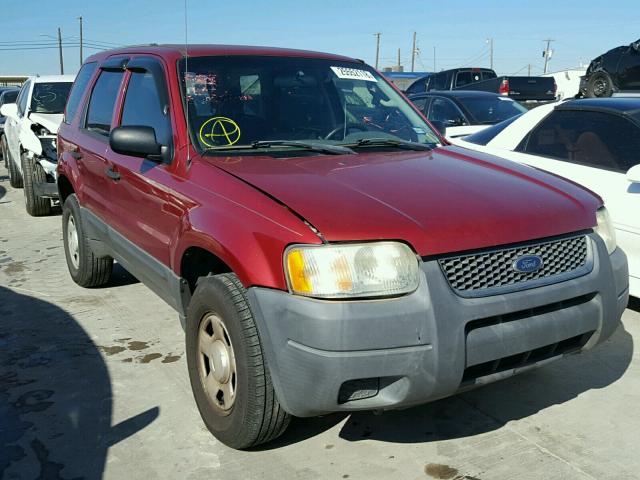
column 324, row 248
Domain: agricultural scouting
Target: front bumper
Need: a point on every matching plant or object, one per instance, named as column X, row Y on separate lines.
column 326, row 356
column 48, row 189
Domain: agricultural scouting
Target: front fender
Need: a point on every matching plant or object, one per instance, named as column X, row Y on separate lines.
column 29, row 140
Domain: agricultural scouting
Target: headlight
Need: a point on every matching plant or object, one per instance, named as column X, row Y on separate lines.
column 352, row 270
column 604, row 228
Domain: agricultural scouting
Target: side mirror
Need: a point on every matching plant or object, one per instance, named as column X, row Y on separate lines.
column 633, row 175
column 9, row 110
column 138, row 141
column 439, row 126
column 635, row 46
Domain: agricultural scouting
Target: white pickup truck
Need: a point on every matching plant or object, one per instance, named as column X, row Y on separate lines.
column 30, row 139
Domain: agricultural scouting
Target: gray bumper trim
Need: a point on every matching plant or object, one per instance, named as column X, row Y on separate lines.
column 419, row 345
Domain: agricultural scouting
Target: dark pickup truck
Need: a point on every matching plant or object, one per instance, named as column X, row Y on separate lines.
column 523, row 89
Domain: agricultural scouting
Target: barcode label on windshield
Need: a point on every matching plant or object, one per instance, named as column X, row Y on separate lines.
column 353, row 74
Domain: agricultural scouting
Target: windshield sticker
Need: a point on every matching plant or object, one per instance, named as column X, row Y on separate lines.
column 353, row 74
column 219, row 131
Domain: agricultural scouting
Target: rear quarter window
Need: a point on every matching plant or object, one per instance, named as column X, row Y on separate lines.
column 77, row 91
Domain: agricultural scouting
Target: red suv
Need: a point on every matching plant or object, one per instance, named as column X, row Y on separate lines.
column 323, row 247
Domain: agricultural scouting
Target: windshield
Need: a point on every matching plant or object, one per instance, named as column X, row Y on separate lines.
column 50, row 97
column 483, row 137
column 490, row 110
column 236, row 101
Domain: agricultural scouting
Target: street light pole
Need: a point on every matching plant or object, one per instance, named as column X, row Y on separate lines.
column 413, row 53
column 377, row 35
column 81, row 56
column 60, row 51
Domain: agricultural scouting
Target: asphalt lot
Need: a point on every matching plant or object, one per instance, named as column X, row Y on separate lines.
column 93, row 383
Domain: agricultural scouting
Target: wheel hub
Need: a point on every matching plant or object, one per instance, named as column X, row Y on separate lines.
column 217, row 363
column 72, row 242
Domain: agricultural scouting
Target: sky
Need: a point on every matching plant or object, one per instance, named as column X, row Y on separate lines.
column 459, row 30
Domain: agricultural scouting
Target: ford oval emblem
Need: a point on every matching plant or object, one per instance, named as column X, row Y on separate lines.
column 527, row 264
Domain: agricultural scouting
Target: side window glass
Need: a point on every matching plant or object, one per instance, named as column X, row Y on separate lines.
column 23, row 97
column 78, row 89
column 142, row 107
column 439, row 82
column 443, row 110
column 102, row 102
column 465, row 78
column 420, row 103
column 593, row 139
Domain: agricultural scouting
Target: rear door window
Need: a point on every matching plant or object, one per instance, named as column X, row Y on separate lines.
column 439, row 82
column 103, row 101
column 78, row 89
column 420, row 103
column 594, row 139
column 464, row 78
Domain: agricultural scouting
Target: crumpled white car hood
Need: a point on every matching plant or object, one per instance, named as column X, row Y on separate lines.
column 51, row 121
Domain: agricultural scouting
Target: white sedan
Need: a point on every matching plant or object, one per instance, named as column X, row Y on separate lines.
column 594, row 142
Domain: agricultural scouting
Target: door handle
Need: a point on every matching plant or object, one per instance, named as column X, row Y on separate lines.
column 112, row 174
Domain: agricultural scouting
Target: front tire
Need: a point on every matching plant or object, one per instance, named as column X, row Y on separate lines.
column 33, row 172
column 600, row 85
column 15, row 177
column 85, row 268
column 227, row 368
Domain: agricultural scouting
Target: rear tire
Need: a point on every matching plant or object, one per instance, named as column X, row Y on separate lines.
column 228, row 372
column 33, row 172
column 15, row 178
column 85, row 268
column 600, row 85
column 3, row 149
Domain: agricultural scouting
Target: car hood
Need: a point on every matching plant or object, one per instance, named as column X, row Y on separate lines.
column 50, row 121
column 445, row 200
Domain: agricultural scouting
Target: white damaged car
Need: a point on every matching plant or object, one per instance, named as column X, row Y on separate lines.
column 30, row 133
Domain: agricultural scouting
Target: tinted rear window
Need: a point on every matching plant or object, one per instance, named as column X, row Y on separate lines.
column 9, row 97
column 491, row 110
column 485, row 136
column 80, row 85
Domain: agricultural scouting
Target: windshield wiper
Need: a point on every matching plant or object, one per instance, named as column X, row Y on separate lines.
column 312, row 146
column 374, row 142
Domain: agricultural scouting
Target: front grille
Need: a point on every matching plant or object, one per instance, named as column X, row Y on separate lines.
column 482, row 272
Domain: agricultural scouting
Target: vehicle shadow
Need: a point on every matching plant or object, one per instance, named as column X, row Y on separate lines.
column 484, row 409
column 120, row 277
column 55, row 395
column 634, row 304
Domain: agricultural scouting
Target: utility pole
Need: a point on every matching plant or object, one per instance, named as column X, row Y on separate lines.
column 529, row 73
column 547, row 53
column 81, row 57
column 377, row 35
column 434, row 58
column 490, row 42
column 398, row 59
column 413, row 53
column 60, row 50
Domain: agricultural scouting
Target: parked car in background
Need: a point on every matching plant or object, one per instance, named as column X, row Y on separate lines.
column 567, row 82
column 322, row 251
column 30, row 131
column 618, row 70
column 523, row 89
column 7, row 95
column 459, row 112
column 594, row 142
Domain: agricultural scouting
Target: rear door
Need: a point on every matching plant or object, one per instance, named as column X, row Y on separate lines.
column 95, row 128
column 629, row 70
column 13, row 125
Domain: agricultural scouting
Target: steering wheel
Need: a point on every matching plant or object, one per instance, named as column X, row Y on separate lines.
column 344, row 128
